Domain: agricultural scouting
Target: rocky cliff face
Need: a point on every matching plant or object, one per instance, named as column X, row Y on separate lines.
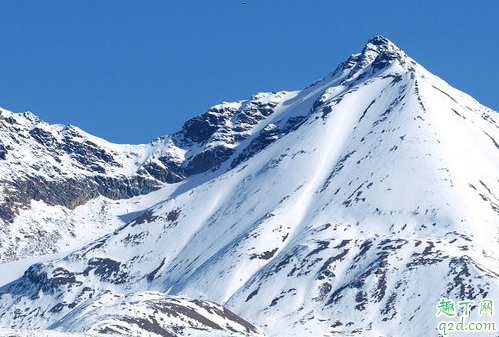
column 62, row 165
column 65, row 166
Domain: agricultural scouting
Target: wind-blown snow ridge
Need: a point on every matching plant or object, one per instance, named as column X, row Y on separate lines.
column 348, row 207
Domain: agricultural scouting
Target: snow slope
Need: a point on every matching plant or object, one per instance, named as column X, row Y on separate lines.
column 351, row 209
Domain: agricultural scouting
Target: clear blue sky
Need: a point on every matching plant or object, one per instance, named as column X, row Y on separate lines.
column 130, row 71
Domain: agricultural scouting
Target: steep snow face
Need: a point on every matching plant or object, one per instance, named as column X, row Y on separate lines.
column 49, row 229
column 352, row 208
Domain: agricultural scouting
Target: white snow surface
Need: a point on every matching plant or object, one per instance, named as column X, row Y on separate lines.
column 374, row 194
column 48, row 229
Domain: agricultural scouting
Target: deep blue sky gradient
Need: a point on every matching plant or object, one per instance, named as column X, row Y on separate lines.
column 130, row 71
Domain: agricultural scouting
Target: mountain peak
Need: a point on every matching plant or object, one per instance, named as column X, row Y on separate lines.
column 311, row 212
column 377, row 54
column 380, row 40
column 381, row 45
column 380, row 48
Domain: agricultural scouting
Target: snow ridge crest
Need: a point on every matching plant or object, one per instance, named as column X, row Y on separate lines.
column 377, row 54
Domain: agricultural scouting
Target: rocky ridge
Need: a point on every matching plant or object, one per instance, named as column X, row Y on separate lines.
column 64, row 166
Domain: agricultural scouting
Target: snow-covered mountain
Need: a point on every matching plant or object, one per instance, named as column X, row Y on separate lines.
column 49, row 173
column 349, row 207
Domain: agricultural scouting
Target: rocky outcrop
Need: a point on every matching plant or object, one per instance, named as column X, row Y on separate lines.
column 71, row 192
column 154, row 314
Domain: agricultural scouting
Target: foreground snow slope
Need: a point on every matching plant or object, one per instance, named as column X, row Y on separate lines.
column 352, row 208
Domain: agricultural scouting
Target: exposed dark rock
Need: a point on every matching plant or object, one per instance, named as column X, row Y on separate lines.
column 108, row 270
column 253, row 293
column 71, row 192
column 207, row 160
column 88, row 153
column 162, row 173
column 233, row 317
column 43, row 137
column 3, row 152
column 152, row 274
column 324, row 290
column 383, row 60
column 200, row 128
column 62, row 276
column 36, row 281
column 264, row 138
column 147, row 216
column 293, row 123
column 10, row 120
column 56, row 308
column 167, row 169
column 173, row 215
column 265, row 255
